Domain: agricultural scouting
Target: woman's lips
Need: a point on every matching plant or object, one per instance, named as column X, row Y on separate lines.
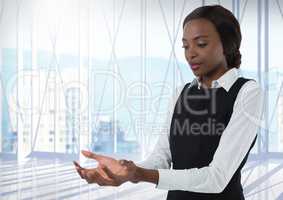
column 195, row 66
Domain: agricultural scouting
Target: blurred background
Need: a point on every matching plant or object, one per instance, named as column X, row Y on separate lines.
column 99, row 75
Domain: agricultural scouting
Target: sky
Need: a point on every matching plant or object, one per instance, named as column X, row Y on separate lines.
column 95, row 28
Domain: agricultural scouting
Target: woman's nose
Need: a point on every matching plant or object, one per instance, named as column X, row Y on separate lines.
column 191, row 53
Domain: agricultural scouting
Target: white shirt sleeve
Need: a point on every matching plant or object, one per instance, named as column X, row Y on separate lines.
column 234, row 144
column 160, row 157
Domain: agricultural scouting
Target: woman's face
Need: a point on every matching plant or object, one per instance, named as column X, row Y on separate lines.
column 203, row 48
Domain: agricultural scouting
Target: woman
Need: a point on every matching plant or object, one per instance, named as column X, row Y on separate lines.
column 213, row 125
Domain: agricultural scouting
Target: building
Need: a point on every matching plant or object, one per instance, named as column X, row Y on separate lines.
column 103, row 139
column 72, row 119
column 280, row 121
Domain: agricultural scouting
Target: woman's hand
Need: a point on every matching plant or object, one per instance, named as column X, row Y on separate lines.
column 109, row 172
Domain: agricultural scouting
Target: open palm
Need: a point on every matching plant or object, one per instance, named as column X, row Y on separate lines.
column 109, row 170
column 112, row 164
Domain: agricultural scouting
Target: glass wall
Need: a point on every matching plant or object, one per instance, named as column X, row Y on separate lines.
column 99, row 75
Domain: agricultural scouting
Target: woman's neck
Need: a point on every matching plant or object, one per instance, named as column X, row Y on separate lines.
column 207, row 79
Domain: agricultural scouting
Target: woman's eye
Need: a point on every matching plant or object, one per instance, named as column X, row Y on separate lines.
column 185, row 47
column 202, row 45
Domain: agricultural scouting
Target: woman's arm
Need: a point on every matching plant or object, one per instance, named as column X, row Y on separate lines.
column 234, row 144
column 112, row 172
column 146, row 175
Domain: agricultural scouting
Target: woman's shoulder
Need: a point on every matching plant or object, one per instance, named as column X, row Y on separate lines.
column 251, row 84
column 250, row 90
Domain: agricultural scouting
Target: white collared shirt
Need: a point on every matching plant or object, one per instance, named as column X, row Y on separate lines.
column 234, row 143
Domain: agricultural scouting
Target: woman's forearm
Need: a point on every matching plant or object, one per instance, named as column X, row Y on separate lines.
column 146, row 175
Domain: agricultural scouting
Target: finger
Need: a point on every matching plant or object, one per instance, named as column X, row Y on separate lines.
column 122, row 162
column 77, row 165
column 108, row 172
column 78, row 168
column 84, row 173
column 106, row 182
column 90, row 176
column 100, row 181
column 80, row 173
column 101, row 172
column 96, row 177
column 131, row 162
column 91, row 155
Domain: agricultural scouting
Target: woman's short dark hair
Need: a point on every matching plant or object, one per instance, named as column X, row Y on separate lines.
column 228, row 28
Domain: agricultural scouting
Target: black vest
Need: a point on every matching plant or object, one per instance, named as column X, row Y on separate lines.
column 199, row 118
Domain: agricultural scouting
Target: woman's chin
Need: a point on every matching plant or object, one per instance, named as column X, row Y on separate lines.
column 197, row 73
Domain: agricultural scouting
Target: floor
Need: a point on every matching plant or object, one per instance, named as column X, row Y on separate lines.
column 50, row 180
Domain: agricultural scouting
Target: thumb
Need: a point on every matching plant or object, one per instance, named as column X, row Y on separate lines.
column 91, row 155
